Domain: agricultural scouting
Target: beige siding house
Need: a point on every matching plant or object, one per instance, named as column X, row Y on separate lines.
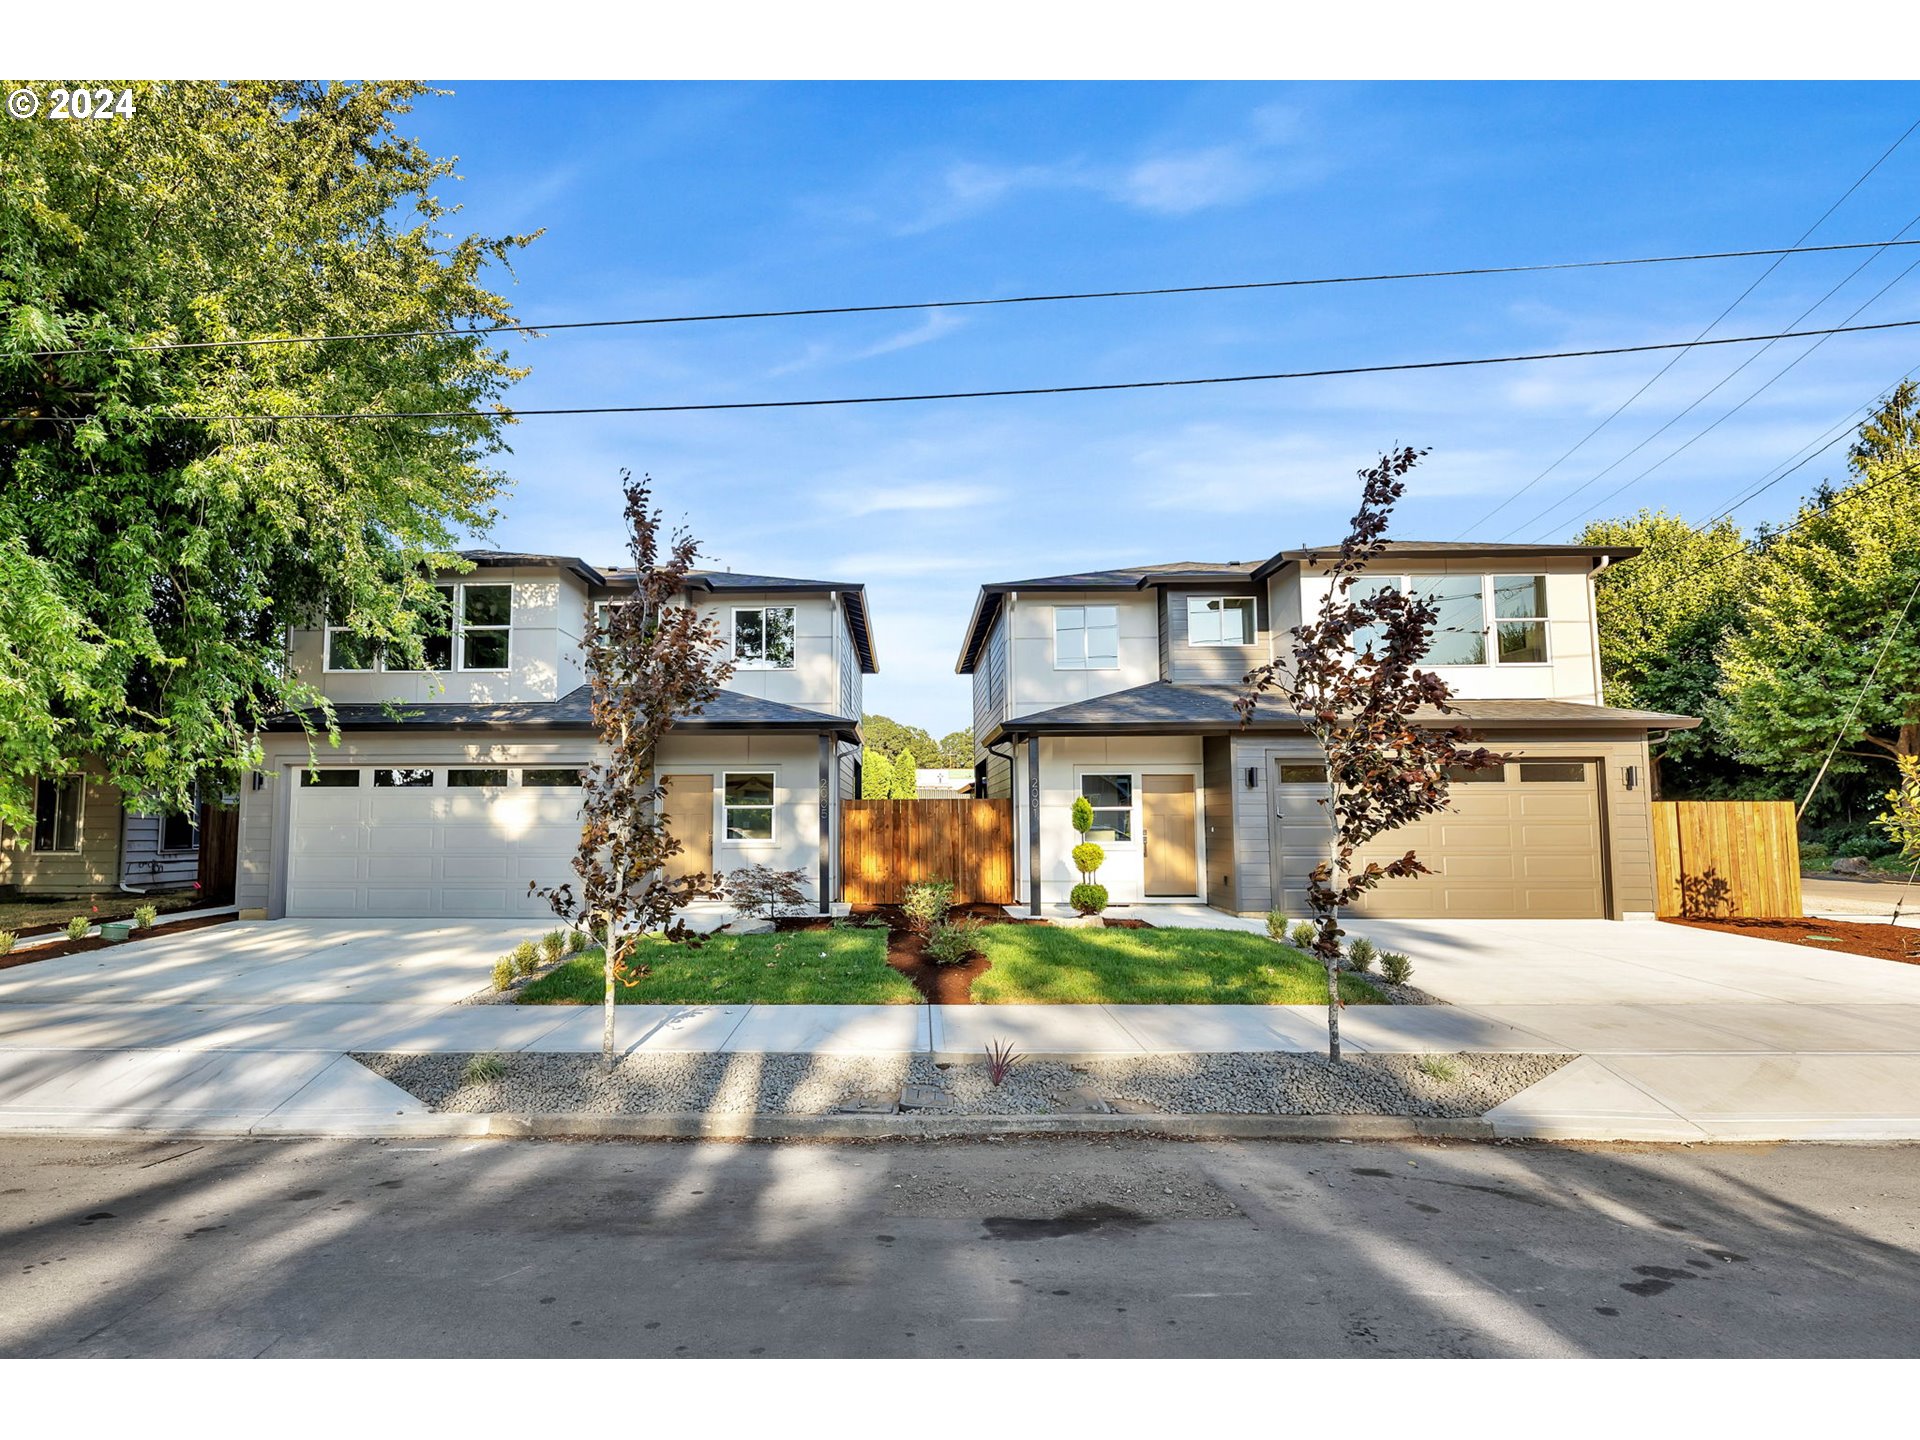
column 1119, row 686
column 85, row 841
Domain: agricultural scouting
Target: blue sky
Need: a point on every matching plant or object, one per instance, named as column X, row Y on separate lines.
column 669, row 198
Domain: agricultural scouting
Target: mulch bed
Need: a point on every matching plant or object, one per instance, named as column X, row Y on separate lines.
column 906, row 947
column 1879, row 942
column 94, row 942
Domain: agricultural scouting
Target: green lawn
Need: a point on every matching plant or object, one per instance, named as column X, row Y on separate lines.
column 1050, row 965
column 20, row 915
column 801, row 967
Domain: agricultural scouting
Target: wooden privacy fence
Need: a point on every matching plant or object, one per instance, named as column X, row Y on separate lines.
column 1726, row 858
column 219, row 851
column 887, row 844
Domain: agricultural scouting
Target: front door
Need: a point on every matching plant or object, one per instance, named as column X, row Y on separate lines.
column 1299, row 834
column 689, row 815
column 1167, row 817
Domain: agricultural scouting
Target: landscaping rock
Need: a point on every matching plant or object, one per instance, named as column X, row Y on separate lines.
column 1851, row 865
column 922, row 1097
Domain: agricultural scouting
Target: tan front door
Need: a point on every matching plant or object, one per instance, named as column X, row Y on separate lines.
column 1167, row 817
column 689, row 815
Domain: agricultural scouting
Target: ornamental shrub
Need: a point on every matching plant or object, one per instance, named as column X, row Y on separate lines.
column 577, row 940
column 77, row 927
column 525, row 958
column 7, row 939
column 926, row 903
column 145, row 915
column 1276, row 925
column 951, row 942
column 1088, row 899
column 503, row 972
column 1087, row 858
column 553, row 945
column 1361, row 953
column 1303, row 934
column 1396, row 967
column 1082, row 814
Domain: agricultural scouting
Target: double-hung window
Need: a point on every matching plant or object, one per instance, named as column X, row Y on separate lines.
column 1086, row 637
column 180, row 829
column 436, row 627
column 1112, row 799
column 748, row 799
column 486, row 621
column 1220, row 620
column 763, row 638
column 1520, row 619
column 56, row 814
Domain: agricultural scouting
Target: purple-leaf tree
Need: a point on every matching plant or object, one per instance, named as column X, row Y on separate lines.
column 651, row 660
column 1353, row 678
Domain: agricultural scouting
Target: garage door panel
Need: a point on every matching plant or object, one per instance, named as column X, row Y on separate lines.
column 321, row 868
column 1459, row 835
column 476, row 867
column 324, row 902
column 323, row 804
column 389, row 839
column 396, row 868
column 327, row 839
column 1561, row 867
column 401, row 900
column 1567, row 806
column 464, row 900
column 1474, row 867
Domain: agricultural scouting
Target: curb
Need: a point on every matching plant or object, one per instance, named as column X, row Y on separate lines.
column 931, row 1127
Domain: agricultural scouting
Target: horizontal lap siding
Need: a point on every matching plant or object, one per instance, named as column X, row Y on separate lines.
column 94, row 866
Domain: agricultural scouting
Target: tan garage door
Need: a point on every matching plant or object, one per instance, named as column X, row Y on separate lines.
column 1521, row 842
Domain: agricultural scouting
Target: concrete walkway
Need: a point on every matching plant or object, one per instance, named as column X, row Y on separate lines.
column 1680, row 1033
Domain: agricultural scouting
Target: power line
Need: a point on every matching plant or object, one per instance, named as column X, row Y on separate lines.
column 1886, row 644
column 509, row 412
column 1801, row 457
column 1768, row 537
column 1711, row 325
column 461, row 331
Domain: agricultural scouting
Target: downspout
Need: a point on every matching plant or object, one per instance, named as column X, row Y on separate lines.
column 1593, row 627
column 120, row 862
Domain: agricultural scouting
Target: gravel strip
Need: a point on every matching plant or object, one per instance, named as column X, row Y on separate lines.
column 1443, row 1086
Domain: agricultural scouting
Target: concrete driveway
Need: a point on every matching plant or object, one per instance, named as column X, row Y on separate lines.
column 364, row 962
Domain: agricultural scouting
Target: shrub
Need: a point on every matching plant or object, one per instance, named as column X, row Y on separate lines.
column 1087, row 858
column 926, row 902
column 553, row 945
column 1303, row 934
column 1815, row 856
column 763, row 891
column 1276, row 925
column 950, row 943
column 525, row 958
column 503, row 972
column 1361, row 954
column 876, row 776
column 1396, row 967
column 577, row 940
column 77, row 927
column 1438, row 1067
column 7, row 939
column 1001, row 1058
column 484, row 1069
column 1082, row 814
column 1864, row 845
column 145, row 915
column 1088, row 899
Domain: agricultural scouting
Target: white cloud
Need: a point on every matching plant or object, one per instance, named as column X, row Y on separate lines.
column 1180, row 184
column 922, row 497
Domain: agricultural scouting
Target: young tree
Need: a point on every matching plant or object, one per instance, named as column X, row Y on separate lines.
column 1386, row 764
column 157, row 550
column 876, row 776
column 651, row 661
column 906, row 775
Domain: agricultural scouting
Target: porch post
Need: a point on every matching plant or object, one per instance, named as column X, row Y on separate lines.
column 826, row 824
column 1033, row 824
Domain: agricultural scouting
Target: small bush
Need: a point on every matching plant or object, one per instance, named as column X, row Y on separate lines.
column 553, row 945
column 145, row 915
column 1865, row 845
column 1438, row 1067
column 1276, row 925
column 1082, row 814
column 765, row 892
column 503, row 972
column 1303, row 934
column 951, row 942
column 577, row 941
column 7, row 939
column 1361, row 954
column 1088, row 857
column 525, row 957
column 77, row 927
column 1396, row 967
column 484, row 1069
column 1088, row 899
column 1815, row 856
column 926, row 903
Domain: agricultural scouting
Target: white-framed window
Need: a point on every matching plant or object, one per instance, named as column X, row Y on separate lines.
column 346, row 651
column 1112, row 799
column 747, row 798
column 763, row 637
column 1518, row 624
column 1520, row 619
column 485, row 636
column 56, row 813
column 552, row 777
column 1220, row 620
column 1086, row 637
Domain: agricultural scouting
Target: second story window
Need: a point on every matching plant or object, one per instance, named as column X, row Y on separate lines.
column 1086, row 637
column 486, row 618
column 763, row 638
column 1520, row 619
column 1460, row 631
column 1220, row 620
column 434, row 623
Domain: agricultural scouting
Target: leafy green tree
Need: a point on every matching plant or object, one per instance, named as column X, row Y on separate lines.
column 1824, row 606
column 876, row 776
column 1664, row 619
column 956, row 749
column 884, row 734
column 154, row 542
column 906, row 778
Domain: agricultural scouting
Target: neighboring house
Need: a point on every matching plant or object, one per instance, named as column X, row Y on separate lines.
column 942, row 784
column 84, row 841
column 453, row 788
column 1118, row 685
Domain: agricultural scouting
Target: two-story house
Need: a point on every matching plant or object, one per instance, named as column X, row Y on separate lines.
column 1118, row 685
column 455, row 786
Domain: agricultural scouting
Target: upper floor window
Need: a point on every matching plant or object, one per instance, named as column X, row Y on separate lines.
column 1460, row 624
column 1518, row 622
column 1086, row 637
column 56, row 813
column 1220, row 620
column 486, row 618
column 435, row 624
column 763, row 638
column 1520, row 619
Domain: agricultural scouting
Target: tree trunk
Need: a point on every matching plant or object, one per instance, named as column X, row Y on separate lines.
column 606, row 1031
column 1332, row 918
column 1333, row 1013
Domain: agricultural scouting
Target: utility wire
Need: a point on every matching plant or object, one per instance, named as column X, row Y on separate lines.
column 1768, row 537
column 1854, row 709
column 510, row 412
column 1711, row 325
column 455, row 332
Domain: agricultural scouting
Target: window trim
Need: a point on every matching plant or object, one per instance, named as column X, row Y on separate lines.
column 192, row 817
column 772, row 807
column 379, row 666
column 1253, row 615
column 326, row 653
column 504, row 771
column 1084, row 628
column 433, row 779
column 733, row 639
column 579, row 773
column 60, row 784
column 1133, row 841
column 452, row 590
column 461, row 629
column 309, row 777
column 1489, row 622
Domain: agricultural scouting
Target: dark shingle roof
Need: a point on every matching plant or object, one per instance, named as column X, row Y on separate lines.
column 521, row 558
column 729, row 710
column 1451, row 550
column 1163, row 707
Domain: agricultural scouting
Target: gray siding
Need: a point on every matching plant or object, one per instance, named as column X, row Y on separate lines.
column 144, row 865
column 1221, row 885
column 1207, row 664
column 990, row 687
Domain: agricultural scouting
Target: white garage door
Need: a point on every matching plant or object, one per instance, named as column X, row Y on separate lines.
column 459, row 842
column 1519, row 841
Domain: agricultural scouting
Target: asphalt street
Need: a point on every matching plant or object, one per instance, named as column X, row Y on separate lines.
column 1081, row 1247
